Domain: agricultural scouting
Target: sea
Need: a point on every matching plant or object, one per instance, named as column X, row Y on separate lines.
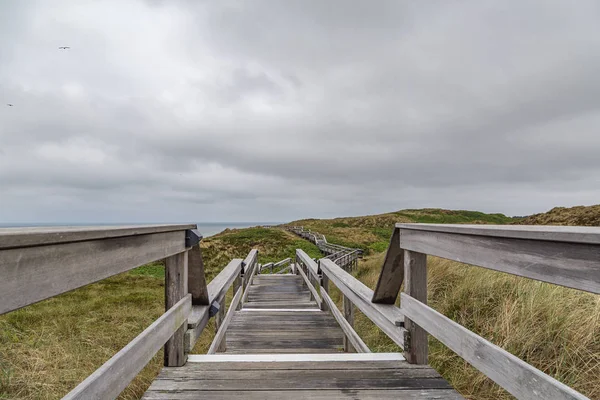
column 206, row 228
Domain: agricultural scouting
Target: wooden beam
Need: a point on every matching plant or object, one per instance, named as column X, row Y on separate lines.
column 217, row 289
column 175, row 290
column 311, row 265
column 516, row 376
column 324, row 289
column 114, row 375
column 196, row 278
column 382, row 315
column 349, row 316
column 570, row 234
column 392, row 273
column 573, row 265
column 349, row 332
column 311, row 288
column 11, row 238
column 220, row 335
column 415, row 285
column 32, row 274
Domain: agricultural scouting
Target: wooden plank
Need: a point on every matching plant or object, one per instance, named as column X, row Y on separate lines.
column 311, row 265
column 346, row 381
column 220, row 335
column 284, row 261
column 216, row 288
column 249, row 261
column 349, row 316
column 392, row 273
column 337, row 357
column 571, row 234
column 349, row 332
column 175, row 290
column 324, row 288
column 114, row 375
column 288, row 268
column 415, row 271
column 382, row 315
column 42, row 236
column 50, row 270
column 513, row 374
column 333, row 394
column 196, row 278
column 311, row 288
column 567, row 264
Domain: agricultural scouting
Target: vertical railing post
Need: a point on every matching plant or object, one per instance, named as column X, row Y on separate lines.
column 325, row 288
column 415, row 285
column 237, row 283
column 176, row 268
column 218, row 321
column 349, row 316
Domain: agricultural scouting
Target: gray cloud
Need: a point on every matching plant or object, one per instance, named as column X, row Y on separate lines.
column 265, row 110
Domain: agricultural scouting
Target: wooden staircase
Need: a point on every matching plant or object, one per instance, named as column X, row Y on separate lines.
column 281, row 345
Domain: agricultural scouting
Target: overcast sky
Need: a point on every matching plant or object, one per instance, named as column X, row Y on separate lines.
column 275, row 110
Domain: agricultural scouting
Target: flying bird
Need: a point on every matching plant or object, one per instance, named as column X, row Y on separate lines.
column 10, row 105
column 64, row 47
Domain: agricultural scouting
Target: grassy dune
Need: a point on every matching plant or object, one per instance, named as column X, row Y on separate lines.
column 49, row 347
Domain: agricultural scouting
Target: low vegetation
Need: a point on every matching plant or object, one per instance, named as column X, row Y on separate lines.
column 372, row 233
column 578, row 216
column 48, row 348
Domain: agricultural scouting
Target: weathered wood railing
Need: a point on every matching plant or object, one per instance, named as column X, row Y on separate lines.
column 346, row 257
column 567, row 256
column 39, row 263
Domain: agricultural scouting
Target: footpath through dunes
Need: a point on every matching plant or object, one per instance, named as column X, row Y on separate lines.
column 282, row 345
column 258, row 348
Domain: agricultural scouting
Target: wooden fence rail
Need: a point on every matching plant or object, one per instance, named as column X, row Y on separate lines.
column 567, row 256
column 39, row 263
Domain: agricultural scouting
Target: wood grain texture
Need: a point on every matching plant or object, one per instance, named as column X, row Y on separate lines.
column 383, row 315
column 567, row 264
column 392, row 273
column 516, row 376
column 306, row 380
column 42, row 236
column 571, row 234
column 114, row 375
column 415, row 272
column 348, row 308
column 311, row 265
column 196, row 278
column 332, row 394
column 216, row 288
column 50, row 270
column 175, row 290
column 314, row 294
column 224, row 325
column 349, row 333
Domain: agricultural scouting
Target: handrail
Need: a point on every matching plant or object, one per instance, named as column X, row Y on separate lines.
column 217, row 290
column 220, row 335
column 311, row 288
column 566, row 256
column 310, row 264
column 385, row 316
column 516, row 376
column 35, row 267
column 114, row 375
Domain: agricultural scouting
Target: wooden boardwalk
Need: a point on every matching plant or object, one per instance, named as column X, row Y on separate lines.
column 282, row 335
column 280, row 345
